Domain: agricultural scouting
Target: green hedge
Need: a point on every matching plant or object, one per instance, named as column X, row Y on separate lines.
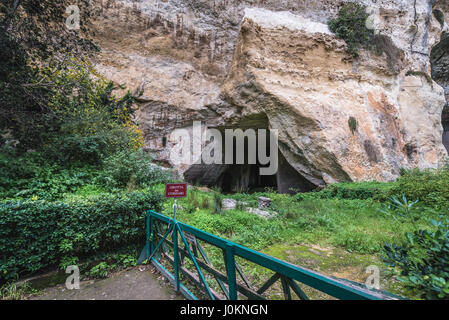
column 430, row 187
column 352, row 190
column 35, row 235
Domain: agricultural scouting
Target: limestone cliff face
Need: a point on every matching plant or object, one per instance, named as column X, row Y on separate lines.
column 224, row 62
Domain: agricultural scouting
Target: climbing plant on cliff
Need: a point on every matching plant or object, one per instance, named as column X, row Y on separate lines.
column 32, row 34
column 350, row 25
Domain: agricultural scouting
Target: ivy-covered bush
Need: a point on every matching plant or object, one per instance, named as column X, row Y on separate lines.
column 423, row 261
column 35, row 235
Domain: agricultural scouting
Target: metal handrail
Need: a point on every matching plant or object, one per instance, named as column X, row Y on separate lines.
column 286, row 272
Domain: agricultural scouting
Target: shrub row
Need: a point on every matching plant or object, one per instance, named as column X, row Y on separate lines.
column 362, row 191
column 35, row 235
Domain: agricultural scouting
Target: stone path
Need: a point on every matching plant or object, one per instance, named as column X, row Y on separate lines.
column 139, row 283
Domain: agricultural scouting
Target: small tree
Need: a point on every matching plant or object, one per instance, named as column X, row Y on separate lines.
column 350, row 25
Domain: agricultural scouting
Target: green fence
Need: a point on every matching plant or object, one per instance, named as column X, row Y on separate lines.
column 169, row 242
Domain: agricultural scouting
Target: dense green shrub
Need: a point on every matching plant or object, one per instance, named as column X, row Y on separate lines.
column 362, row 190
column 352, row 123
column 29, row 175
column 423, row 260
column 131, row 169
column 38, row 234
column 430, row 187
column 83, row 119
column 350, row 25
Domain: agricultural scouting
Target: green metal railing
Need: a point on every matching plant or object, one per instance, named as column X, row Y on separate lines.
column 185, row 243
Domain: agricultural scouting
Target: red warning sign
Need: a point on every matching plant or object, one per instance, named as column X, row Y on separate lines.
column 175, row 190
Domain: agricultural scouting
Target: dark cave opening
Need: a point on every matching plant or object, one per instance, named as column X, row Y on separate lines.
column 439, row 59
column 247, row 177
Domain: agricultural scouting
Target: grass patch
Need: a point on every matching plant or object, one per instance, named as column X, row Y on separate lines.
column 345, row 219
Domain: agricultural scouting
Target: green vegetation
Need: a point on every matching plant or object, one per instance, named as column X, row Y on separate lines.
column 13, row 291
column 325, row 217
column 34, row 49
column 75, row 181
column 352, row 122
column 67, row 232
column 430, row 187
column 350, row 25
column 421, row 74
column 413, row 28
column 84, row 186
column 355, row 222
column 422, row 259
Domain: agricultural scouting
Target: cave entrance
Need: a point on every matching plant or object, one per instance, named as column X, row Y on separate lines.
column 246, row 177
column 439, row 59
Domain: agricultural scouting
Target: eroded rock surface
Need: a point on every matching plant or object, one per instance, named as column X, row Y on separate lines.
column 223, row 62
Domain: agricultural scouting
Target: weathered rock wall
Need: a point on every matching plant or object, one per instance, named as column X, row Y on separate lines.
column 218, row 62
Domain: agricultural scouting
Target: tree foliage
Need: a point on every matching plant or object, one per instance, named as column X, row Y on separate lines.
column 33, row 34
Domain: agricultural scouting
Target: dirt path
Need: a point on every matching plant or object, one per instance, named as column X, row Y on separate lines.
column 135, row 284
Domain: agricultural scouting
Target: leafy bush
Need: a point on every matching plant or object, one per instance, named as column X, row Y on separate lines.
column 88, row 123
column 352, row 122
column 430, row 187
column 423, row 260
column 350, row 25
column 131, row 169
column 401, row 209
column 101, row 270
column 38, row 234
column 32, row 32
column 29, row 175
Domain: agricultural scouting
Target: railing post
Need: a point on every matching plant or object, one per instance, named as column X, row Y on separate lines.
column 176, row 255
column 152, row 226
column 148, row 235
column 230, row 270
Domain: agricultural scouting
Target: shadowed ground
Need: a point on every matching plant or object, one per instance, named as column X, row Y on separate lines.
column 136, row 284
